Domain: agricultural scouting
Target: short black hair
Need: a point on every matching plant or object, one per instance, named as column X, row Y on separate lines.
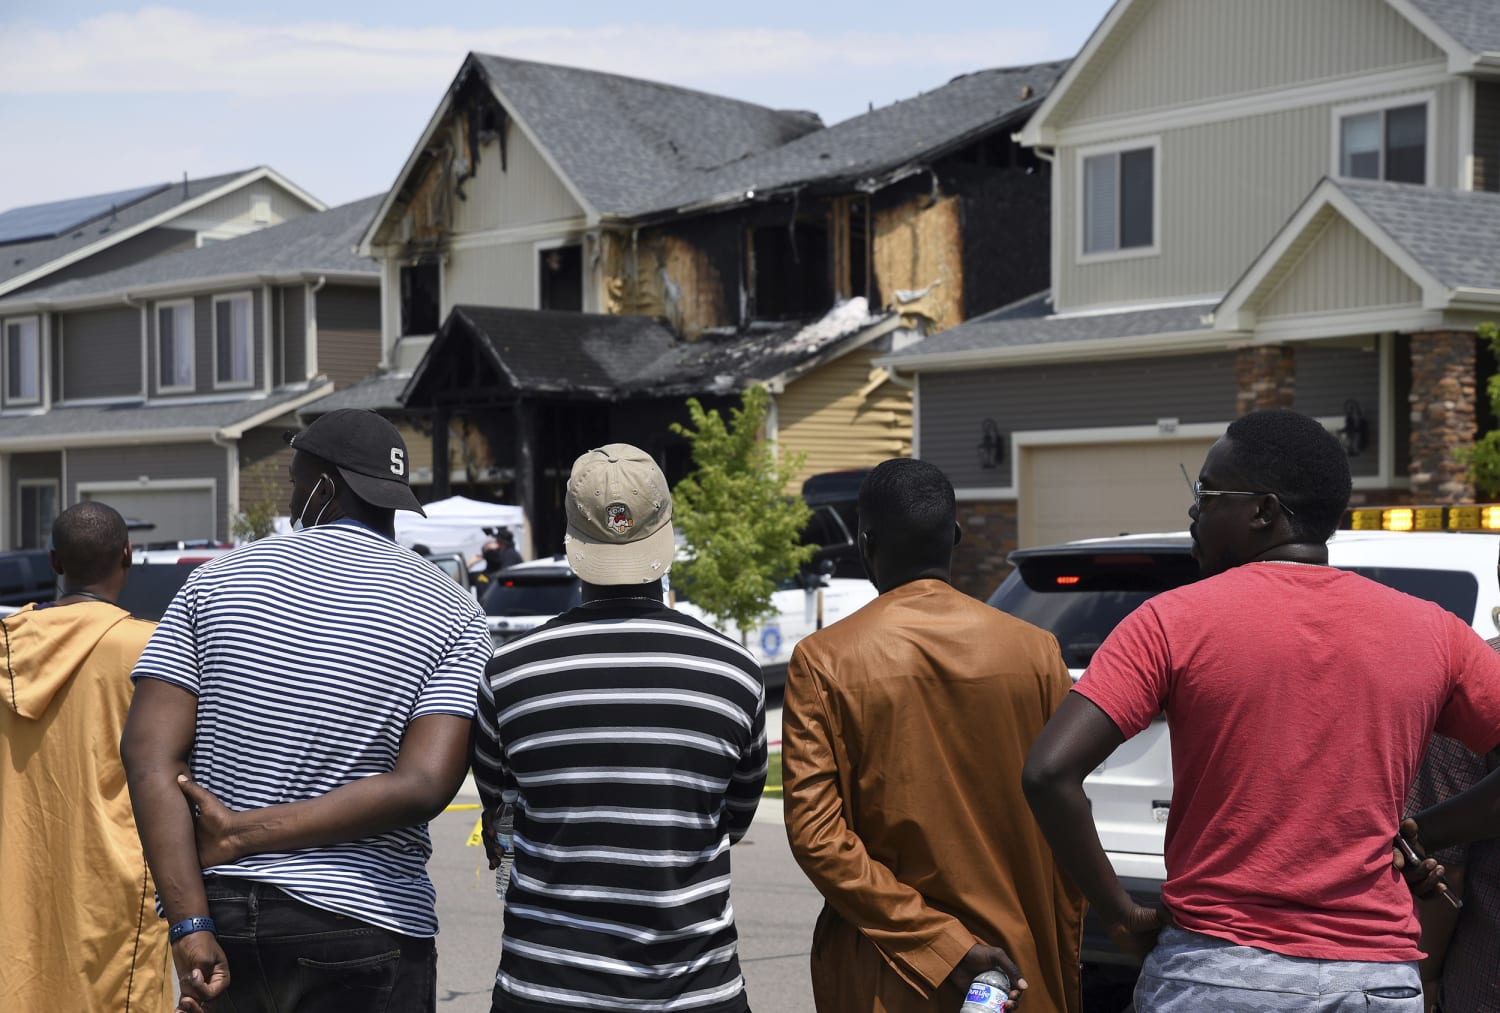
column 1282, row 451
column 911, row 494
column 89, row 539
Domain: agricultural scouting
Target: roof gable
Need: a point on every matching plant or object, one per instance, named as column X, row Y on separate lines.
column 321, row 243
column 24, row 263
column 1445, row 242
column 1168, row 29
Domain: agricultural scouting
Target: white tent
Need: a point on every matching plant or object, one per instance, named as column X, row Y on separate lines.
column 457, row 524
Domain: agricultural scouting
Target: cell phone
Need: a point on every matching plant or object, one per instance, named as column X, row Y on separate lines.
column 1410, row 854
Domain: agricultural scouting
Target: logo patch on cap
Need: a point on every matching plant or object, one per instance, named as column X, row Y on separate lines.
column 617, row 519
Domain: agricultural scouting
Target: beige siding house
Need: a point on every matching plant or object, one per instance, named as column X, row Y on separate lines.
column 567, row 256
column 1288, row 192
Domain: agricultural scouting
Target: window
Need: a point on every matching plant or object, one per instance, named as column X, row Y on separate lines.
column 790, row 277
column 23, row 361
column 1119, row 201
column 560, row 278
column 1388, row 144
column 419, row 299
column 38, row 511
column 174, row 346
column 233, row 365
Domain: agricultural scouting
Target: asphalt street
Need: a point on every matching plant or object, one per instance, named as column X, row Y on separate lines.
column 774, row 907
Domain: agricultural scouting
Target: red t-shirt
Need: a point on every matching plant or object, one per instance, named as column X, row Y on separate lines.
column 1299, row 701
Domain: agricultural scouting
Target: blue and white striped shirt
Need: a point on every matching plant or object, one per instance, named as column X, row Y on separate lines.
column 310, row 653
column 636, row 738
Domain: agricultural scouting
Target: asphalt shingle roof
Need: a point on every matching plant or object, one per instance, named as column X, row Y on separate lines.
column 1474, row 23
column 318, row 241
column 598, row 356
column 1029, row 322
column 651, row 133
column 21, row 258
column 138, row 417
column 375, row 393
column 884, row 139
column 1454, row 234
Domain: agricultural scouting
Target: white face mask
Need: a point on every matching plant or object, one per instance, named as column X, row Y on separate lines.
column 298, row 524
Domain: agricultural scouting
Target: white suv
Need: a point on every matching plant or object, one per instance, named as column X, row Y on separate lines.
column 1080, row 590
column 519, row 599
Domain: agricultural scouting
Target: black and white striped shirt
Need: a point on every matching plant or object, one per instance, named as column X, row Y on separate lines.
column 310, row 653
column 637, row 739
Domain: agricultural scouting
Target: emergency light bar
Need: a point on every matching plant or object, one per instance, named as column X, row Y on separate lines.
column 1464, row 517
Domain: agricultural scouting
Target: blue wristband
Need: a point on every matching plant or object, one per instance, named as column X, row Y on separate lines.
column 188, row 926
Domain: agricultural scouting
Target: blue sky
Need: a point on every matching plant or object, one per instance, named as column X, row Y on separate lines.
column 97, row 97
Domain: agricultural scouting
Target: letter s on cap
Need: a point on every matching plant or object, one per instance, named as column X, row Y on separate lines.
column 398, row 461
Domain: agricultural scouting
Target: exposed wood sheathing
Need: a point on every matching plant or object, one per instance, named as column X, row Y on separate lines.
column 468, row 447
column 919, row 245
column 659, row 274
column 843, row 415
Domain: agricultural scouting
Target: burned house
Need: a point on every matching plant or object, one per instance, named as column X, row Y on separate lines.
column 567, row 255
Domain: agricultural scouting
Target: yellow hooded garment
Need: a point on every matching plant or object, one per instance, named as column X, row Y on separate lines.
column 78, row 923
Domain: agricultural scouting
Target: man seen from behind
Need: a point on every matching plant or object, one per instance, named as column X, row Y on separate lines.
column 80, row 931
column 630, row 742
column 322, row 685
column 1299, row 698
column 905, row 729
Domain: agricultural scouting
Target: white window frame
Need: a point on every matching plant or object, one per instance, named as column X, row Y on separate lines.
column 35, row 483
column 249, row 300
column 192, row 351
column 1081, row 156
column 1382, row 105
column 5, row 325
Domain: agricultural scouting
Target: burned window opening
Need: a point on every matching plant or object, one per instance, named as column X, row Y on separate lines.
column 789, row 270
column 420, row 298
column 560, row 278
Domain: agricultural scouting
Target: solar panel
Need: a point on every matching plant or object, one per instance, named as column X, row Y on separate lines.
column 44, row 221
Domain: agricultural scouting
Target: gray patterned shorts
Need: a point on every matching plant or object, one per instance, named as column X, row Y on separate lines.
column 1190, row 973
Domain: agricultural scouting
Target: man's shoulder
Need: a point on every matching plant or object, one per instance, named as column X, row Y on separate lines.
column 664, row 628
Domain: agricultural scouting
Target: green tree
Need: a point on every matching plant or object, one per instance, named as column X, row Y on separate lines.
column 1483, row 458
column 257, row 521
column 743, row 531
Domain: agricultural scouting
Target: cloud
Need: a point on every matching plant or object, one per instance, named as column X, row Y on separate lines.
column 165, row 50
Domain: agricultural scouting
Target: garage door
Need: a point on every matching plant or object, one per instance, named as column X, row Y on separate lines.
column 1092, row 490
column 179, row 514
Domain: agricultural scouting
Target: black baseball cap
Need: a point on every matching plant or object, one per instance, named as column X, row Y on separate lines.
column 368, row 452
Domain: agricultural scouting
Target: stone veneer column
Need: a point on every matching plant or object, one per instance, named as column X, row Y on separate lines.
column 1442, row 415
column 1266, row 376
column 990, row 535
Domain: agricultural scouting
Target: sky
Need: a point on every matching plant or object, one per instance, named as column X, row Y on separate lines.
column 97, row 97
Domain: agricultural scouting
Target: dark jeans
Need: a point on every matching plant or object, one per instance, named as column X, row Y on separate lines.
column 288, row 957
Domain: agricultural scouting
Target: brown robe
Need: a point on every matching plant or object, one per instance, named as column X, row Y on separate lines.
column 905, row 727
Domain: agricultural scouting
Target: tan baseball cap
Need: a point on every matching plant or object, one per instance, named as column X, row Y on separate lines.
column 619, row 517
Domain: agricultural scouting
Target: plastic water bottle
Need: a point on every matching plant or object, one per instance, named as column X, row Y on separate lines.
column 988, row 993
column 505, row 829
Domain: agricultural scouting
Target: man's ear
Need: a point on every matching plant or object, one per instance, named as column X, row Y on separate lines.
column 1267, row 510
column 56, row 563
column 128, row 559
column 958, row 534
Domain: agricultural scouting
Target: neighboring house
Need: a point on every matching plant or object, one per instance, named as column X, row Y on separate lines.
column 163, row 388
column 44, row 244
column 1265, row 203
column 625, row 226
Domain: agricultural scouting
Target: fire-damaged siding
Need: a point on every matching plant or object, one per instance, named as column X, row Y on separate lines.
column 844, row 415
column 525, row 192
column 689, row 274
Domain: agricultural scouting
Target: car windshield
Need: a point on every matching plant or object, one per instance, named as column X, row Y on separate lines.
column 1081, row 598
column 532, row 595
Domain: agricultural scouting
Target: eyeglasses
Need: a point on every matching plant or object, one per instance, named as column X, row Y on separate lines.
column 1199, row 492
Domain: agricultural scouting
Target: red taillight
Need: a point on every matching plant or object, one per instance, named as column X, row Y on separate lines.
column 193, row 560
column 1068, row 581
